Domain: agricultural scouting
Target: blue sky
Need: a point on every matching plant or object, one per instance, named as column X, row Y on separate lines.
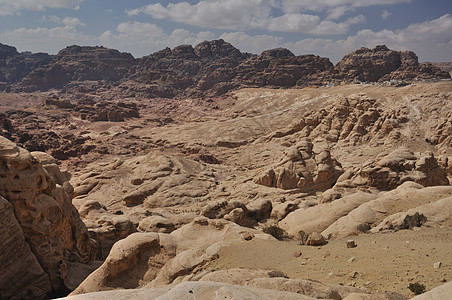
column 329, row 28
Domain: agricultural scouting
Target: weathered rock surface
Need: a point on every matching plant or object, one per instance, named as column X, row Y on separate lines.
column 306, row 166
column 22, row 276
column 399, row 166
column 182, row 158
column 393, row 207
column 156, row 224
column 156, row 259
column 276, row 280
column 318, row 218
column 40, row 198
column 433, row 213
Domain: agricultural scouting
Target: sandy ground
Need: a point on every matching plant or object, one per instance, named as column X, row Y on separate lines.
column 381, row 262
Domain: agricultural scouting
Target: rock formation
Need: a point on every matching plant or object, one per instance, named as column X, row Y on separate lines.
column 211, row 68
column 14, row 65
column 76, row 63
column 47, row 230
column 307, row 167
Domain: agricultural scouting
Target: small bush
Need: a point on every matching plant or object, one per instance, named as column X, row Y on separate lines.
column 275, row 231
column 417, row 288
column 402, row 84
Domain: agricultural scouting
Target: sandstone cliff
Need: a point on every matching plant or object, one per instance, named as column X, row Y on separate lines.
column 42, row 234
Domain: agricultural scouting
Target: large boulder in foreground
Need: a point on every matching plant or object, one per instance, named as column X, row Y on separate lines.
column 48, row 233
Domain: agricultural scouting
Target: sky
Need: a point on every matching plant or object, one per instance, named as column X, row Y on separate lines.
column 329, row 28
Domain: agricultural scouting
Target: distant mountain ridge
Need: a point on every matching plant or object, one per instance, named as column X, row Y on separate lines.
column 211, row 68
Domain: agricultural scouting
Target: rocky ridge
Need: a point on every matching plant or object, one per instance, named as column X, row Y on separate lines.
column 14, row 66
column 213, row 68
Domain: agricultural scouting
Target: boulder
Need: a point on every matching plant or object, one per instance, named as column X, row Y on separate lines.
column 157, row 259
column 315, row 239
column 132, row 262
column 281, row 210
column 259, row 210
column 318, row 218
column 156, row 224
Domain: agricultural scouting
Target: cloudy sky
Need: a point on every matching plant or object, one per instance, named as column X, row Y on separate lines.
column 328, row 28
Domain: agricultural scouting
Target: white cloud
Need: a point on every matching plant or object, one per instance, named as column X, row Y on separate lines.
column 72, row 22
column 53, row 19
column 68, row 21
column 246, row 15
column 430, row 40
column 145, row 38
column 323, row 5
column 220, row 14
column 253, row 44
column 337, row 12
column 385, row 14
column 360, row 19
column 42, row 39
column 293, row 23
column 9, row 7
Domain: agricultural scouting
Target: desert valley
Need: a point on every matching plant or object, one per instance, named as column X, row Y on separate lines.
column 202, row 172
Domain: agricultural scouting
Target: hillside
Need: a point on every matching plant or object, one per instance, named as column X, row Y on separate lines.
column 163, row 176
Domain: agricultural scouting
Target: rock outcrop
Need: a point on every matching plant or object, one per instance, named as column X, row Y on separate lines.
column 22, row 276
column 394, row 209
column 201, row 290
column 388, row 171
column 36, row 199
column 14, row 65
column 77, row 63
column 383, row 64
column 307, row 167
column 157, row 259
column 302, row 222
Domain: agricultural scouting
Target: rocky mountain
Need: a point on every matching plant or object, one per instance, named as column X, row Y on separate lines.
column 75, row 63
column 211, row 68
column 14, row 66
column 383, row 64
